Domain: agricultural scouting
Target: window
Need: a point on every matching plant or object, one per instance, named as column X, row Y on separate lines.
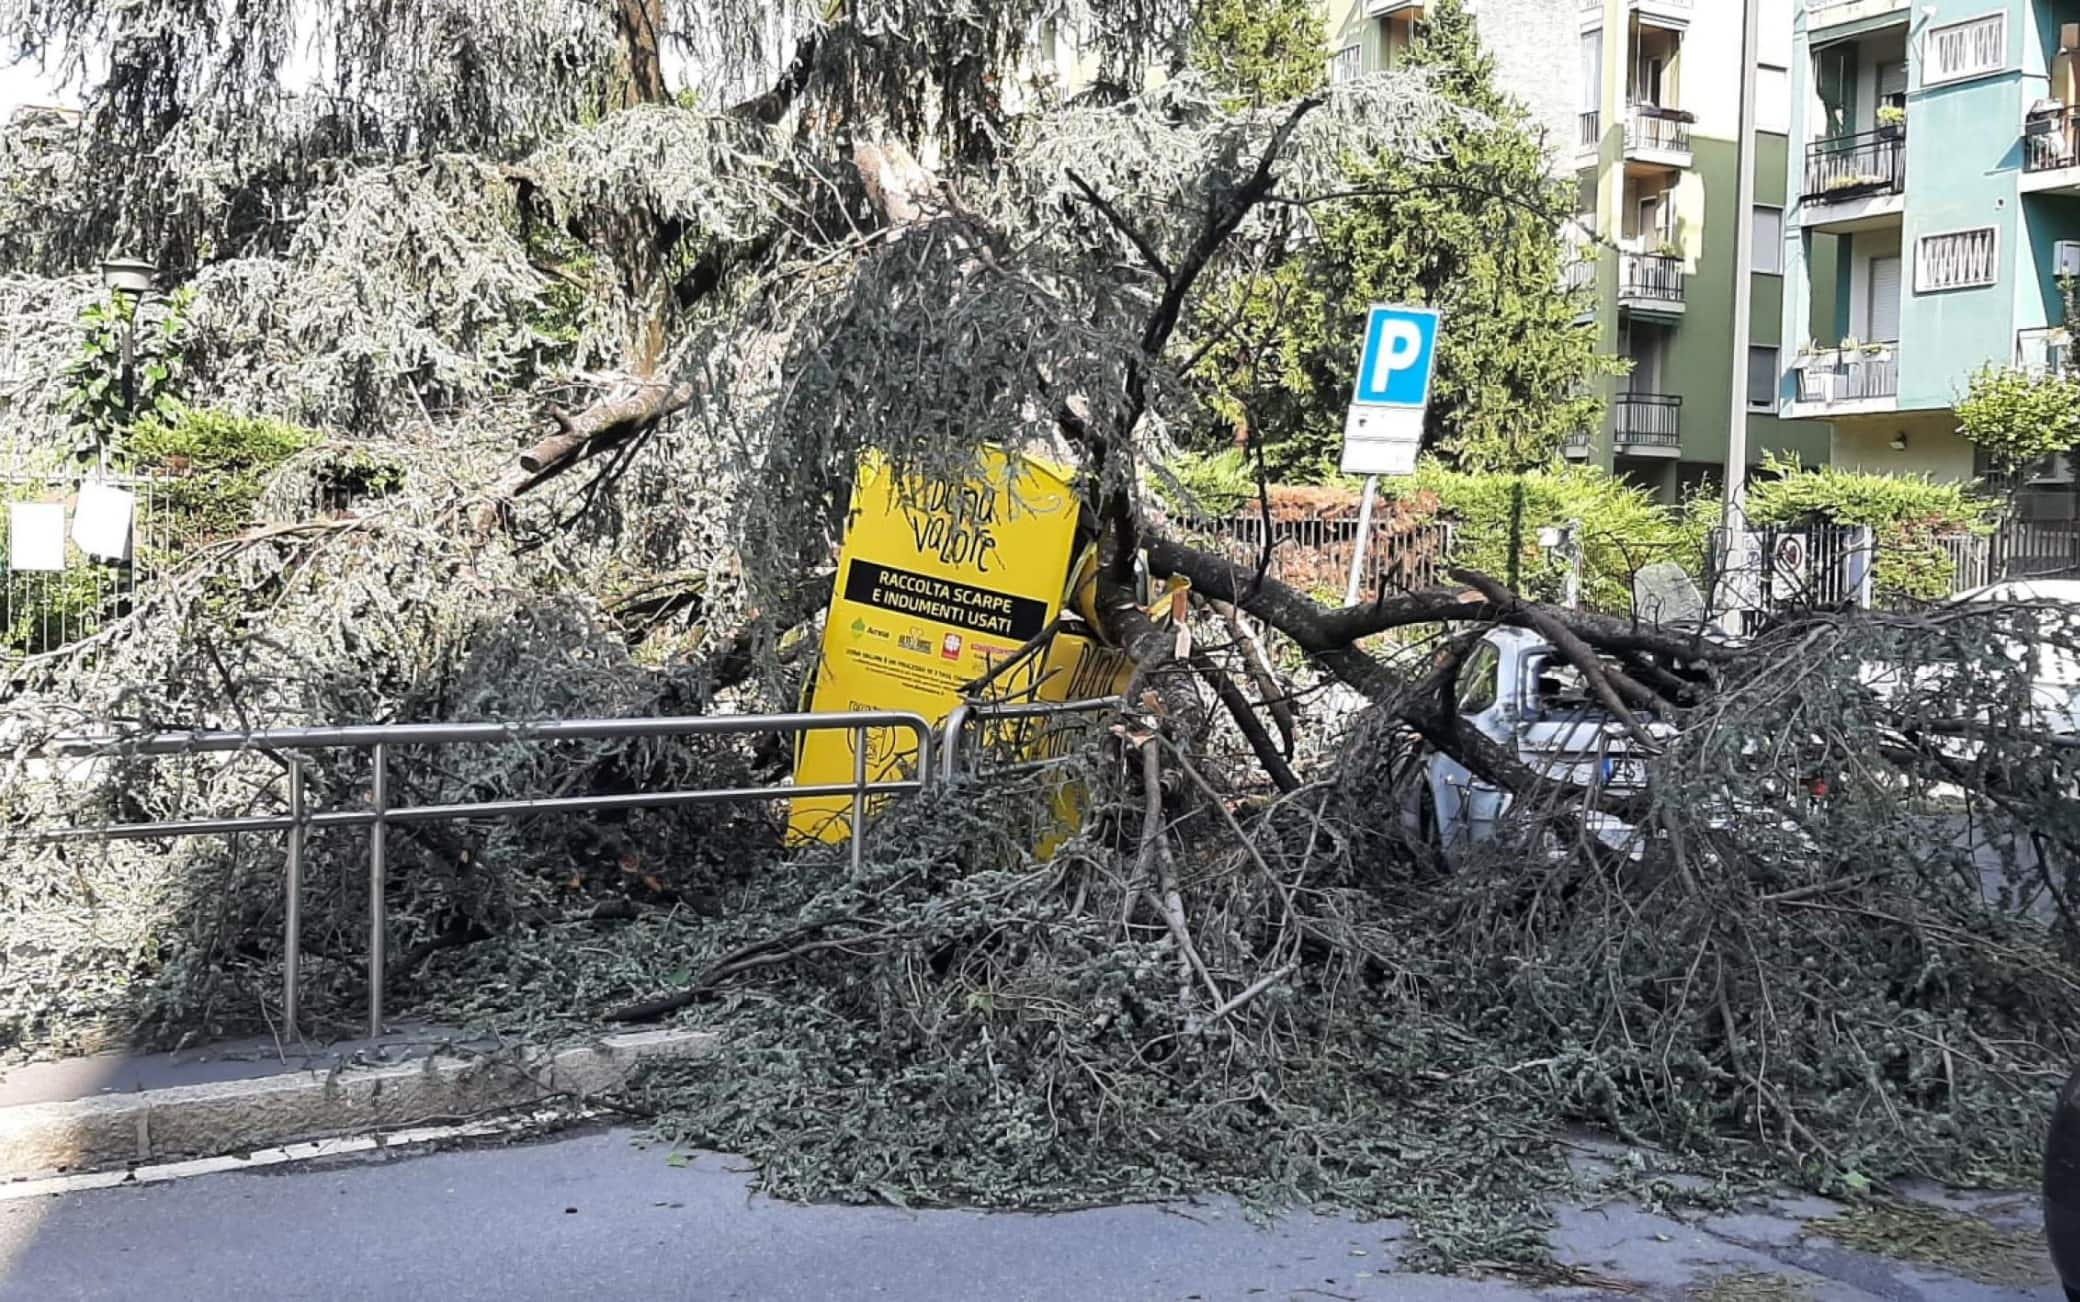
column 1956, row 260
column 1762, row 378
column 1773, row 100
column 1881, row 311
column 1347, row 64
column 1968, row 49
column 1769, row 241
column 1477, row 679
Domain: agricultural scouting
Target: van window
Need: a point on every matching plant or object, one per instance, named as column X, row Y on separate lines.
column 1563, row 690
column 1477, row 679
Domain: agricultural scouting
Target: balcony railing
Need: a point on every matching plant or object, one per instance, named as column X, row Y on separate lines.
column 2045, row 350
column 2051, row 141
column 1592, row 128
column 1580, row 271
column 1652, row 420
column 1663, row 130
column 1850, row 167
column 1849, row 375
column 1575, row 444
column 1655, row 277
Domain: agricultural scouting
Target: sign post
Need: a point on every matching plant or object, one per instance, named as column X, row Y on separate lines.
column 1384, row 429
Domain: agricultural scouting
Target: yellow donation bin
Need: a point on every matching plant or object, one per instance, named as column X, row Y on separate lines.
column 935, row 584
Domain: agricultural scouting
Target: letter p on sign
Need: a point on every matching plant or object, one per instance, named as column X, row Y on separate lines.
column 1400, row 354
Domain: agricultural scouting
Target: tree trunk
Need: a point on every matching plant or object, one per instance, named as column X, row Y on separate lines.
column 640, row 79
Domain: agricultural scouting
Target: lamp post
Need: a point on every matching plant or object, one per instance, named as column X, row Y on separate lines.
column 129, row 279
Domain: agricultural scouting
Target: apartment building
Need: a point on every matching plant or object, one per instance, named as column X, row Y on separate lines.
column 1935, row 205
column 1640, row 100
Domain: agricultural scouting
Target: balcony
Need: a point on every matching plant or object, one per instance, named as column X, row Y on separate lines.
column 2051, row 150
column 1650, row 284
column 1847, row 381
column 1657, row 138
column 1592, row 131
column 1381, row 8
column 1823, row 14
column 2046, row 350
column 1673, row 14
column 1648, row 424
column 1575, row 447
column 1849, row 178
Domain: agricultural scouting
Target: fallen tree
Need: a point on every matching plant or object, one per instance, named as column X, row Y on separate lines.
column 1241, row 969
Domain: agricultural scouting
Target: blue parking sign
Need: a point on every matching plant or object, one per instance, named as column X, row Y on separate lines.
column 1399, row 359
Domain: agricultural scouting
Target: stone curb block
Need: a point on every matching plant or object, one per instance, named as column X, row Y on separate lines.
column 189, row 1121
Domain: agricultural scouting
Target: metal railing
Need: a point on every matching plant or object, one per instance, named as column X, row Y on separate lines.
column 1579, row 273
column 1576, row 444
column 1656, row 277
column 2016, row 549
column 45, row 610
column 953, row 733
column 1313, row 552
column 2043, row 349
column 1848, row 375
column 1592, row 128
column 297, row 822
column 2052, row 141
column 1649, row 127
column 1648, row 420
column 1799, row 568
column 1854, row 166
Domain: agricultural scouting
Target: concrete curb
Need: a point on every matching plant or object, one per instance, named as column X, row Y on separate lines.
column 185, row 1121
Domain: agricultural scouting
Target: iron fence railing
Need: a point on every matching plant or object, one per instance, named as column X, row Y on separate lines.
column 2051, row 141
column 1763, row 571
column 1648, row 420
column 2016, row 549
column 1854, row 166
column 43, row 610
column 1592, row 128
column 382, row 812
column 1648, row 127
column 1849, row 375
column 1654, row 277
column 1313, row 553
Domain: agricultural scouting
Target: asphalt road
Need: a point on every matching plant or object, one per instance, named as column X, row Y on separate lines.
column 597, row 1217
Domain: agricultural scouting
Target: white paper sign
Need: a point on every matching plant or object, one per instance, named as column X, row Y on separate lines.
column 1381, row 440
column 36, row 537
column 101, row 521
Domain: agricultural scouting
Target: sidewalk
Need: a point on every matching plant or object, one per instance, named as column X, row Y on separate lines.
column 114, row 1111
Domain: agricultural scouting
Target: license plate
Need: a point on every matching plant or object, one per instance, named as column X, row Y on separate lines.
column 1624, row 773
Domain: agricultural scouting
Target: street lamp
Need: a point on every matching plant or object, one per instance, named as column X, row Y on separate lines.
column 129, row 279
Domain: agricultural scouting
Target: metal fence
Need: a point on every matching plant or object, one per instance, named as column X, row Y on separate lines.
column 44, row 610
column 2017, row 549
column 297, row 823
column 1313, row 553
column 1763, row 571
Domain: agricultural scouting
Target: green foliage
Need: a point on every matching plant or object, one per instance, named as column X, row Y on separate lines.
column 101, row 406
column 1906, row 513
column 1474, row 232
column 1622, row 526
column 2018, row 419
column 1260, row 51
column 210, row 466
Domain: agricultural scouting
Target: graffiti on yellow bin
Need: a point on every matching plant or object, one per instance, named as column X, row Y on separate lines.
column 936, row 584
